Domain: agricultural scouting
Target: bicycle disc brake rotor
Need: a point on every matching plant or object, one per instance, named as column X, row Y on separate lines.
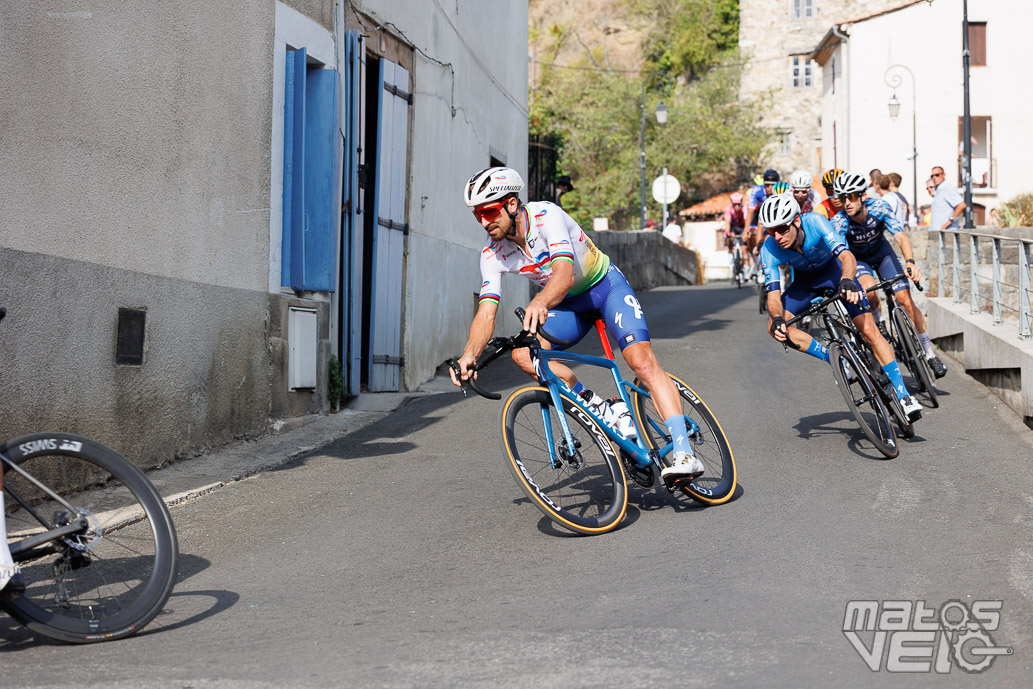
column 88, row 538
column 574, row 458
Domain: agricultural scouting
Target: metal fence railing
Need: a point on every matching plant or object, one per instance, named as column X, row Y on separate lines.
column 992, row 271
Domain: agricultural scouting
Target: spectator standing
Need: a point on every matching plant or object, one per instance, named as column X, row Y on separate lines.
column 873, row 190
column 947, row 203
column 892, row 200
column 673, row 231
column 563, row 185
column 895, row 180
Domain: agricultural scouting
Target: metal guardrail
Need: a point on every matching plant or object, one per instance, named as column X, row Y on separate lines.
column 1009, row 301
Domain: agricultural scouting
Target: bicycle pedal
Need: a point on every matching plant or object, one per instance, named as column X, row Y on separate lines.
column 679, row 482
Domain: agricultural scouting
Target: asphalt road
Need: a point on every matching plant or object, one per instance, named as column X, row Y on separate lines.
column 405, row 556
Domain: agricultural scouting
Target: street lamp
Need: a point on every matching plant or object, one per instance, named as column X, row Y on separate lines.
column 894, row 81
column 661, row 118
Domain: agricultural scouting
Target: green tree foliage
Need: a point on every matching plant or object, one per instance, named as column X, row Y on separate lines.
column 1016, row 213
column 691, row 35
column 711, row 141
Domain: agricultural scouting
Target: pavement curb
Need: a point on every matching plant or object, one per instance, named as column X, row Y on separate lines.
column 190, row 479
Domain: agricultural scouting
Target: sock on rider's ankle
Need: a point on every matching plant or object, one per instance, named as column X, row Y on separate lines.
column 578, row 388
column 5, row 552
column 679, row 433
column 818, row 350
column 927, row 345
column 893, row 371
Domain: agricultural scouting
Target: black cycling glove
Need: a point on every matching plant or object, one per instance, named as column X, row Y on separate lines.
column 848, row 285
column 776, row 324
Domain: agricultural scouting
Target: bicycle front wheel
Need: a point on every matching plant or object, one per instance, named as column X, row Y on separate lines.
column 709, row 443
column 111, row 578
column 914, row 356
column 865, row 405
column 581, row 488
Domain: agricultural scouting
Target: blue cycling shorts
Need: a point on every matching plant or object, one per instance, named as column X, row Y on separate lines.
column 611, row 299
column 808, row 285
column 883, row 260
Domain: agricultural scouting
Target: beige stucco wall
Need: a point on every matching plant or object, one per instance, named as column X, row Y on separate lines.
column 128, row 142
column 869, row 138
column 136, row 139
column 458, row 122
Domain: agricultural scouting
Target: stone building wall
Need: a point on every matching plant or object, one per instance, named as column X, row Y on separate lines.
column 769, row 37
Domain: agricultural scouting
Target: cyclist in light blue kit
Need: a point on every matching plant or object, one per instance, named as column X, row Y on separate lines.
column 820, row 260
column 862, row 224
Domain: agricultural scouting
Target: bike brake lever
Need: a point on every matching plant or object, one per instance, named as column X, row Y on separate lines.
column 454, row 365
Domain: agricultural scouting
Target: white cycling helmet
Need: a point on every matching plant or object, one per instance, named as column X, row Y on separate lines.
column 801, row 179
column 492, row 184
column 850, row 183
column 779, row 210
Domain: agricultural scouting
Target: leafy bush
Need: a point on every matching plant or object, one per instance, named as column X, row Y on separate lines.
column 1017, row 213
column 335, row 384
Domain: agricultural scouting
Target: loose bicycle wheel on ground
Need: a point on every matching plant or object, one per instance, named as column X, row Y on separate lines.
column 102, row 583
column 914, row 358
column 863, row 400
column 581, row 488
column 709, row 443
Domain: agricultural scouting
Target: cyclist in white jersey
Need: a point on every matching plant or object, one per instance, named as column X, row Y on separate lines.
column 11, row 585
column 579, row 285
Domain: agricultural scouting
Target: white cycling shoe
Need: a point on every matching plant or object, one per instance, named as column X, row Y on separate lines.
column 684, row 466
column 912, row 408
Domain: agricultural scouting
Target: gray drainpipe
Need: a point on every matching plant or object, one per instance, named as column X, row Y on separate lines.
column 846, row 66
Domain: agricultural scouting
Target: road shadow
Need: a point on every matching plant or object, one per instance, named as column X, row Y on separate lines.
column 838, row 423
column 183, row 609
column 640, row 500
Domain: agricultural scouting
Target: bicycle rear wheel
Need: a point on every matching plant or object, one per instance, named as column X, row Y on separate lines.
column 865, row 404
column 107, row 581
column 914, row 356
column 709, row 443
column 584, row 489
column 737, row 271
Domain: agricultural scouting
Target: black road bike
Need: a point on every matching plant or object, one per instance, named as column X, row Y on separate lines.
column 94, row 540
column 906, row 345
column 862, row 382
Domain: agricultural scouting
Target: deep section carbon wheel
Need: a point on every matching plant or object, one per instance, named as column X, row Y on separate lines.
column 709, row 443
column 579, row 486
column 107, row 579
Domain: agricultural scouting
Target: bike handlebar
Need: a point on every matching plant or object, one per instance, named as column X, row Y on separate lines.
column 888, row 282
column 541, row 331
column 502, row 345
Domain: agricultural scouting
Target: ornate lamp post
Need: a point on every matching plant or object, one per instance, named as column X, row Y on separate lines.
column 894, row 81
column 661, row 118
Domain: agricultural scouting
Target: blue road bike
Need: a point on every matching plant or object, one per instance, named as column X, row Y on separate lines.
column 572, row 464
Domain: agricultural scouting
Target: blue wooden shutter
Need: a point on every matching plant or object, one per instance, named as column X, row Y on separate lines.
column 352, row 230
column 389, row 243
column 311, row 176
column 293, row 159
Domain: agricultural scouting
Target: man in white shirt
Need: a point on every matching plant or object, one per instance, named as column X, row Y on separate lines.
column 673, row 231
column 947, row 203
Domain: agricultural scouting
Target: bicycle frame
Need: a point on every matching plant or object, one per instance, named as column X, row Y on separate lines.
column 52, row 533
column 637, row 450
